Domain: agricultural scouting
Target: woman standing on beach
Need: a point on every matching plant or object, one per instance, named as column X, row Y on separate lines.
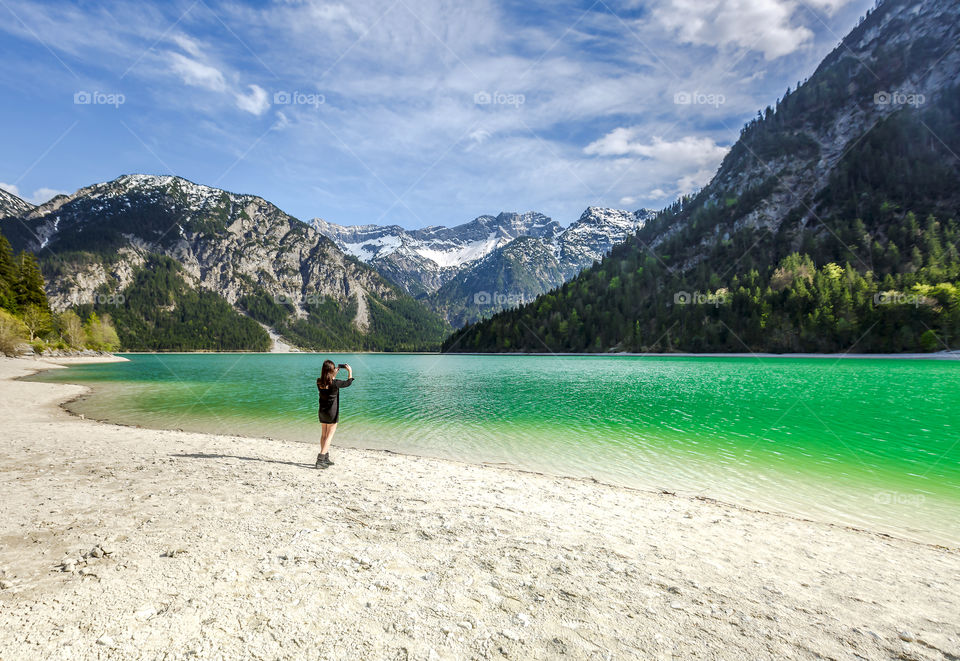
column 328, row 387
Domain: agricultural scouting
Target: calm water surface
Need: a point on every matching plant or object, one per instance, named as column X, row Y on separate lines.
column 867, row 442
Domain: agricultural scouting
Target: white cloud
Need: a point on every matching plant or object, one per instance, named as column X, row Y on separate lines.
column 691, row 182
column 690, row 161
column 687, row 151
column 197, row 74
column 325, row 14
column 616, row 143
column 191, row 46
column 829, row 6
column 400, row 79
column 11, row 188
column 282, row 121
column 767, row 26
column 42, row 195
column 477, row 138
column 256, row 102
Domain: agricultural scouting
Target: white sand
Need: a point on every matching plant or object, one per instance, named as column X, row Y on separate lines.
column 225, row 547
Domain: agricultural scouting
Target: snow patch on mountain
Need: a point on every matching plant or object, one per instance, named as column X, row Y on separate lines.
column 369, row 250
column 592, row 235
column 457, row 254
column 11, row 205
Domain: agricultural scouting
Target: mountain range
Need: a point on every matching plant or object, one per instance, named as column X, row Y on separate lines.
column 188, row 250
column 831, row 224
column 489, row 264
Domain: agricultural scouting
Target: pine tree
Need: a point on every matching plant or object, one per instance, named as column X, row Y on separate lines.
column 8, row 276
column 29, row 288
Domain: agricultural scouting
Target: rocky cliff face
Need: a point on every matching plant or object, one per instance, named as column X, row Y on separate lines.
column 507, row 277
column 421, row 260
column 592, row 236
column 899, row 58
column 234, row 245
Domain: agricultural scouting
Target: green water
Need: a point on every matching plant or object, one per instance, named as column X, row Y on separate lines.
column 868, row 442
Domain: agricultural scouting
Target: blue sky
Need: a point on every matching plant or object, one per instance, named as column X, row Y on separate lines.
column 414, row 112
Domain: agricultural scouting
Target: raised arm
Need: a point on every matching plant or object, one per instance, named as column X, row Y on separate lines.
column 341, row 383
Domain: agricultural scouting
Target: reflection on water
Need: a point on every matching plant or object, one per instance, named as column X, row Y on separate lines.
column 864, row 442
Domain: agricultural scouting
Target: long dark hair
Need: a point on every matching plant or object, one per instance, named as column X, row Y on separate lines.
column 327, row 373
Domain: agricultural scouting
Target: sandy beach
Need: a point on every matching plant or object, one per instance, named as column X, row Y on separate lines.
column 128, row 543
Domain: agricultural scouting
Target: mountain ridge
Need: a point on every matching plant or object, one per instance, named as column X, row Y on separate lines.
column 111, row 230
column 448, row 267
column 260, row 260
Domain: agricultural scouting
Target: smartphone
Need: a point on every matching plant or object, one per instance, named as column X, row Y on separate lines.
column 341, row 367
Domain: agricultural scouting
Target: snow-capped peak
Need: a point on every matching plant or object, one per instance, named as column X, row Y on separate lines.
column 11, row 205
column 437, row 247
column 433, row 255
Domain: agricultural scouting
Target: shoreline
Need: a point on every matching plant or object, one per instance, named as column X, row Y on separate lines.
column 212, row 539
column 938, row 355
column 503, row 466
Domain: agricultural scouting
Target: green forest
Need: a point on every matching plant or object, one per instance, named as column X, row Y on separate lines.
column 26, row 318
column 399, row 324
column 159, row 311
column 875, row 270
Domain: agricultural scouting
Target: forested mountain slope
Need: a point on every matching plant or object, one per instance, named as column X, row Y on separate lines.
column 831, row 224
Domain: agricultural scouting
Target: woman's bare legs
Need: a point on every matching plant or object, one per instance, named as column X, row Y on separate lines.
column 327, row 436
column 323, row 436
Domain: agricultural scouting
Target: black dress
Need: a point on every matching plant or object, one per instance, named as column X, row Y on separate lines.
column 329, row 411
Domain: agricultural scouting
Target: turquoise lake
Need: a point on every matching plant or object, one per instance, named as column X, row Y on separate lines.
column 873, row 443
